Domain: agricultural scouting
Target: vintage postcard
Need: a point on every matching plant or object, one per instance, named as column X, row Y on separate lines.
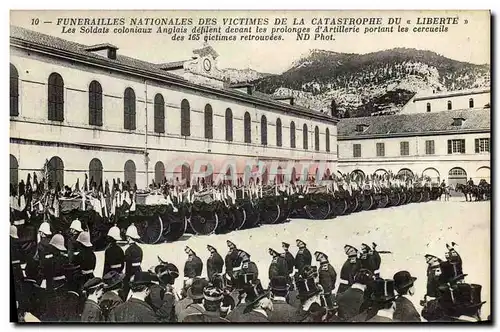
column 250, row 166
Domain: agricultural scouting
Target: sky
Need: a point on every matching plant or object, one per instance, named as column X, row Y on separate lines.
column 464, row 42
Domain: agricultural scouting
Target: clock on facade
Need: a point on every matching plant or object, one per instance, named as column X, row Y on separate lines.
column 207, row 65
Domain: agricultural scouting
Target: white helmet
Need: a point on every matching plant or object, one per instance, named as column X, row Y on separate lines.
column 13, row 232
column 45, row 228
column 132, row 232
column 76, row 225
column 114, row 232
column 84, row 239
column 58, row 242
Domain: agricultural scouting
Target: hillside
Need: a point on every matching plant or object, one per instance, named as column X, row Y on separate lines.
column 374, row 83
column 243, row 75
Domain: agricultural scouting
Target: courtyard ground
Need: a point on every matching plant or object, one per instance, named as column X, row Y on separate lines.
column 409, row 232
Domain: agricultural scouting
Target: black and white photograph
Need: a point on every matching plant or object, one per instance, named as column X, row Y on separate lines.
column 212, row 166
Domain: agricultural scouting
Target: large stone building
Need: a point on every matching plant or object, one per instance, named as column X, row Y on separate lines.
column 89, row 109
column 448, row 101
column 449, row 145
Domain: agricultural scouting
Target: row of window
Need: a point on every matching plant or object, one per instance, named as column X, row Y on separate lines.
column 450, row 105
column 481, row 145
column 56, row 113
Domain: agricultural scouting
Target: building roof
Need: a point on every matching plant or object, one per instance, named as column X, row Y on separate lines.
column 414, row 124
column 100, row 47
column 40, row 42
column 448, row 94
column 172, row 65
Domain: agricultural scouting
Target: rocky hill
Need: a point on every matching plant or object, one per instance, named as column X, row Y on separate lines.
column 374, row 83
column 243, row 75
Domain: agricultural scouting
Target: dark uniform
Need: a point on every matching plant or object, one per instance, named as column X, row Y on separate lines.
column 86, row 259
column 278, row 267
column 290, row 262
column 327, row 279
column 133, row 260
column 193, row 267
column 215, row 264
column 92, row 312
column 231, row 261
column 52, row 266
column 349, row 269
column 249, row 267
column 16, row 261
column 73, row 248
column 251, row 317
column 114, row 259
column 133, row 311
column 302, row 259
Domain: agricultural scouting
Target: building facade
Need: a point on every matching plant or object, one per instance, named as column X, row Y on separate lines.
column 89, row 110
column 448, row 101
column 450, row 145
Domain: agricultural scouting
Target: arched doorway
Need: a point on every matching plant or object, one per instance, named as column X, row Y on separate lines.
column 358, row 175
column 265, row 176
column 433, row 174
column 280, row 177
column 483, row 173
column 380, row 173
column 327, row 174
column 95, row 172
column 130, row 176
column 55, row 169
column 293, row 178
column 14, row 171
column 405, row 173
column 457, row 175
column 159, row 172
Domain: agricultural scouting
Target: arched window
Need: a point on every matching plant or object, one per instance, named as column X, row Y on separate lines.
column 263, row 130
column 159, row 172
column 278, row 133
column 405, row 172
column 292, row 135
column 55, row 170
column 14, row 91
column 14, row 171
column 305, row 135
column 185, row 118
column 95, row 172
column 130, row 175
column 428, row 107
column 186, row 174
column 95, row 104
column 327, row 140
column 457, row 175
column 129, row 109
column 208, row 172
column 159, row 115
column 293, row 176
column 471, row 103
column 449, row 105
column 357, row 175
column 229, row 125
column 432, row 173
column 316, row 138
column 209, row 127
column 248, row 128
column 56, row 97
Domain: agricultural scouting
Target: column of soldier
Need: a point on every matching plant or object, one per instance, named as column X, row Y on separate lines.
column 59, row 284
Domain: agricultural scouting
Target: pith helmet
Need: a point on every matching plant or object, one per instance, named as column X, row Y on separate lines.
column 114, row 232
column 76, row 225
column 132, row 232
column 58, row 242
column 84, row 239
column 45, row 228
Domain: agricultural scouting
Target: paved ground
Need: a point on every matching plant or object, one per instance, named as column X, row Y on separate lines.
column 409, row 231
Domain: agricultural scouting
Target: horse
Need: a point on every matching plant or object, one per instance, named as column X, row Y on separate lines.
column 446, row 191
column 467, row 190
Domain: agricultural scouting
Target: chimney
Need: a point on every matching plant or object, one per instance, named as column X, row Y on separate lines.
column 105, row 50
